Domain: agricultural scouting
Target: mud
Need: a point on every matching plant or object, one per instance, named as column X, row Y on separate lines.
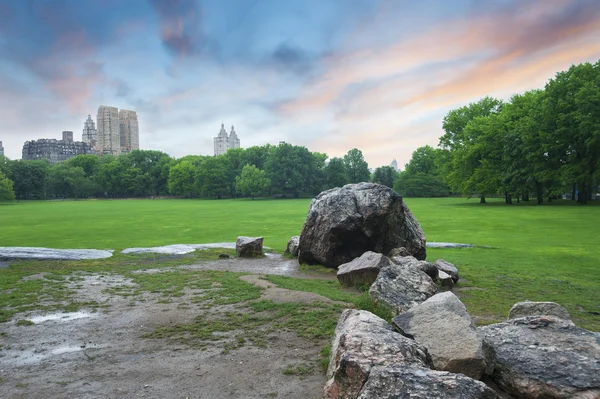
column 103, row 354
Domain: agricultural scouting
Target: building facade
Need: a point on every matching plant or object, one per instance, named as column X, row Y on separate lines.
column 109, row 131
column 224, row 142
column 129, row 130
column 90, row 134
column 1, row 149
column 394, row 165
column 55, row 150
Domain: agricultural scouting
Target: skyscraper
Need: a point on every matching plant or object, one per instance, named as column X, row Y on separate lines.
column 129, row 130
column 109, row 131
column 1, row 149
column 223, row 143
column 90, row 134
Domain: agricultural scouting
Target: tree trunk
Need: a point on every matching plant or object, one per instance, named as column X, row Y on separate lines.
column 482, row 199
column 574, row 192
column 540, row 193
column 507, row 198
column 583, row 193
column 526, row 196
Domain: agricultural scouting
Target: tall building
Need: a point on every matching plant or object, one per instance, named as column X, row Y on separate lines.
column 394, row 165
column 90, row 134
column 223, row 142
column 55, row 150
column 1, row 149
column 129, row 130
column 109, row 131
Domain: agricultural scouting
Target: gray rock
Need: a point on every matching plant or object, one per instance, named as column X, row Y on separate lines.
column 343, row 223
column 400, row 381
column 292, row 246
column 445, row 279
column 362, row 270
column 448, row 268
column 249, row 247
column 545, row 357
column 524, row 309
column 8, row 253
column 400, row 251
column 224, row 256
column 399, row 288
column 361, row 341
column 443, row 326
column 426, row 267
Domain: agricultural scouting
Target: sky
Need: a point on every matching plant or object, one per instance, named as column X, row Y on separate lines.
column 330, row 75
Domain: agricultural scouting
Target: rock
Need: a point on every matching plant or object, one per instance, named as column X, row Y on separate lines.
column 448, row 268
column 292, row 246
column 9, row 253
column 343, row 223
column 363, row 340
column 362, row 270
column 399, row 288
column 400, row 251
column 223, row 256
column 249, row 247
column 409, row 261
column 445, row 279
column 544, row 357
column 400, row 381
column 523, row 309
column 442, row 325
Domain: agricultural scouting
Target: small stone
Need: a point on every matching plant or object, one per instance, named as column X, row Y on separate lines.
column 249, row 247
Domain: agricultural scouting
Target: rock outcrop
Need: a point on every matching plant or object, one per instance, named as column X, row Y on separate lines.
column 442, row 325
column 362, row 270
column 399, row 288
column 292, row 246
column 10, row 253
column 524, row 309
column 410, row 261
column 362, row 341
column 544, row 357
column 448, row 268
column 249, row 247
column 395, row 382
column 343, row 223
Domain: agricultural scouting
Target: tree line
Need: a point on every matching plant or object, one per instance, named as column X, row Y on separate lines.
column 543, row 143
column 284, row 170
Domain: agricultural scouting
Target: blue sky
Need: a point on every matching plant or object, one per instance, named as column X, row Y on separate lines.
column 378, row 75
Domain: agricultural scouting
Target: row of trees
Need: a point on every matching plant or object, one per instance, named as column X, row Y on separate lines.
column 544, row 142
column 284, row 170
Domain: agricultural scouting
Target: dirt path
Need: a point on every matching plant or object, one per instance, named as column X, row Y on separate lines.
column 104, row 355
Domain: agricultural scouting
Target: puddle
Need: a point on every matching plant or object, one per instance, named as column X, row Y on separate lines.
column 448, row 245
column 178, row 249
column 60, row 317
column 26, row 357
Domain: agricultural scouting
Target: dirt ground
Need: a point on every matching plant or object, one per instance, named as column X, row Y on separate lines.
column 102, row 354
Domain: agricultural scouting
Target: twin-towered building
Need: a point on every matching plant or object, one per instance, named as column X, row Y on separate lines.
column 118, row 131
column 224, row 143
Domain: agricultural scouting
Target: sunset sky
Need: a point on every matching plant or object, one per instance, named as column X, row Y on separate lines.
column 328, row 75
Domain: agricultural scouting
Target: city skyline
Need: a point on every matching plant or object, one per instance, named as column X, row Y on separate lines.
column 374, row 75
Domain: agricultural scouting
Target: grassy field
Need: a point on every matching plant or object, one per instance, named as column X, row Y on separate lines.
column 547, row 252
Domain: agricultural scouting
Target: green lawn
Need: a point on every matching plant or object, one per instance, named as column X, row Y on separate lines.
column 547, row 252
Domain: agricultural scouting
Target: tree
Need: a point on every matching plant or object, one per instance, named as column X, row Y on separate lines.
column 288, row 167
column 335, row 173
column 68, row 181
column 212, row 178
column 182, row 179
column 385, row 175
column 420, row 184
column 6, row 188
column 357, row 168
column 89, row 163
column 29, row 178
column 252, row 182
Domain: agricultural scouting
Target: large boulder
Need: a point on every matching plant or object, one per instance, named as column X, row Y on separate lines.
column 362, row 341
column 410, row 261
column 401, row 381
column 399, row 288
column 442, row 325
column 249, row 247
column 362, row 270
column 343, row 223
column 545, row 357
column 448, row 268
column 292, row 246
column 524, row 309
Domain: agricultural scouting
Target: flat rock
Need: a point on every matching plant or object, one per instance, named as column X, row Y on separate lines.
column 401, row 381
column 544, row 357
column 442, row 325
column 292, row 246
column 362, row 270
column 399, row 288
column 445, row 279
column 8, row 253
column 524, row 309
column 448, row 268
column 249, row 247
column 178, row 249
column 362, row 341
column 409, row 261
column 343, row 223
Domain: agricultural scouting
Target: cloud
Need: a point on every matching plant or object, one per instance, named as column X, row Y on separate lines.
column 180, row 26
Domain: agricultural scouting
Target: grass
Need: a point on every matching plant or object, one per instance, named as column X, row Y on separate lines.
column 546, row 252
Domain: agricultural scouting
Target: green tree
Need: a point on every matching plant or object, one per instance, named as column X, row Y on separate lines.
column 336, row 173
column 89, row 163
column 30, row 178
column 357, row 168
column 111, row 178
column 182, row 179
column 252, row 182
column 289, row 169
column 385, row 175
column 6, row 188
column 420, row 184
column 66, row 181
column 212, row 178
